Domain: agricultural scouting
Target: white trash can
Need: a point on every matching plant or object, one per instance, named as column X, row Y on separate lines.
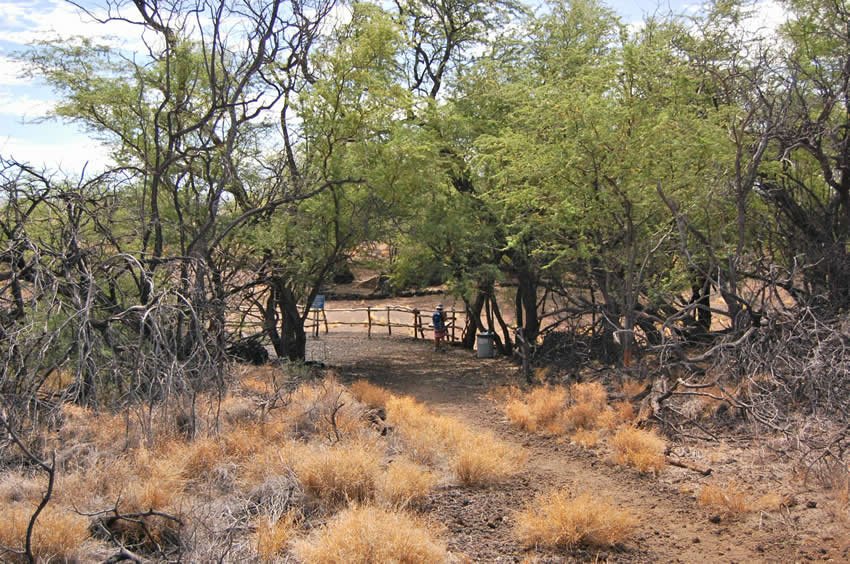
column 486, row 348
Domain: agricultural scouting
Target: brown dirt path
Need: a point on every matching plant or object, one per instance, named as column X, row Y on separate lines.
column 672, row 527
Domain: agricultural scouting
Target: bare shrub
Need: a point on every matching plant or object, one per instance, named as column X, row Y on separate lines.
column 641, row 449
column 17, row 487
column 326, row 409
column 557, row 520
column 369, row 534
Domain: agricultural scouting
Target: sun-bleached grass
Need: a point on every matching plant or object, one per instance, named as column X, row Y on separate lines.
column 589, row 400
column 340, row 473
column 476, row 458
column 367, row 534
column 158, row 481
column 58, row 535
column 589, row 392
column 728, row 499
column 16, row 487
column 641, row 449
column 586, row 438
column 482, row 459
column 424, row 434
column 405, row 483
column 558, row 520
column 541, row 408
column 273, row 534
column 370, row 394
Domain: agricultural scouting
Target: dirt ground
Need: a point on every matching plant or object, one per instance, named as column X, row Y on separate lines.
column 673, row 527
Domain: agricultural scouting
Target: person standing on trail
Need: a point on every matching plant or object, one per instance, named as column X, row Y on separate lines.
column 438, row 319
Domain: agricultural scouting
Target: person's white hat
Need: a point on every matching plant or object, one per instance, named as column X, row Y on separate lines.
column 439, row 306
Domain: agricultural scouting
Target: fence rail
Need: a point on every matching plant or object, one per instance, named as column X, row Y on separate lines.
column 401, row 319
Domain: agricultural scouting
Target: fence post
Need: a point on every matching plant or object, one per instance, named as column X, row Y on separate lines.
column 369, row 317
column 416, row 322
column 389, row 323
column 325, row 318
column 454, row 322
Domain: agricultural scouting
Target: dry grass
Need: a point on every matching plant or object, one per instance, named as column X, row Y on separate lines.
column 641, row 449
column 631, row 387
column 201, row 456
column 557, row 520
column 58, row 534
column 369, row 535
column 585, row 438
column 370, row 394
column 541, row 408
column 424, row 434
column 406, row 483
column 272, row 535
column 16, row 487
column 625, row 411
column 340, row 473
column 158, row 481
column 325, row 409
column 589, row 392
column 589, row 401
column 727, row 499
column 482, row 459
column 476, row 458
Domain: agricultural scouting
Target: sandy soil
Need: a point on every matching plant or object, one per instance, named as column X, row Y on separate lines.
column 673, row 528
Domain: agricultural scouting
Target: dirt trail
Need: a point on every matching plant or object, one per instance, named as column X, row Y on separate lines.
column 672, row 527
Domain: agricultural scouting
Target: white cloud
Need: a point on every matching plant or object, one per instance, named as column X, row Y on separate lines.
column 11, row 72
column 67, row 155
column 24, row 24
column 24, row 106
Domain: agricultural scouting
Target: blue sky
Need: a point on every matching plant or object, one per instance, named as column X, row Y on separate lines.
column 23, row 101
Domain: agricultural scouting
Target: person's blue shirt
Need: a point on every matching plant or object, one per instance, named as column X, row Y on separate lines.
column 438, row 321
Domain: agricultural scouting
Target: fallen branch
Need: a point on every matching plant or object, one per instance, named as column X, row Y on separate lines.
column 693, row 467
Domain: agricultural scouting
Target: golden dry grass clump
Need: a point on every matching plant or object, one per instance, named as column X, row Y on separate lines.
column 638, row 448
column 425, row 435
column 405, row 483
column 370, row 394
column 272, row 535
column 481, row 459
column 557, row 520
column 541, row 409
column 339, row 473
column 367, row 534
column 58, row 534
column 476, row 458
column 589, row 401
column 727, row 499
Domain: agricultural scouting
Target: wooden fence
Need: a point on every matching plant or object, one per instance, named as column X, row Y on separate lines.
column 376, row 319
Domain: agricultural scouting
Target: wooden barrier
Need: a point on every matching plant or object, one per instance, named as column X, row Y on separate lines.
column 372, row 320
column 402, row 319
